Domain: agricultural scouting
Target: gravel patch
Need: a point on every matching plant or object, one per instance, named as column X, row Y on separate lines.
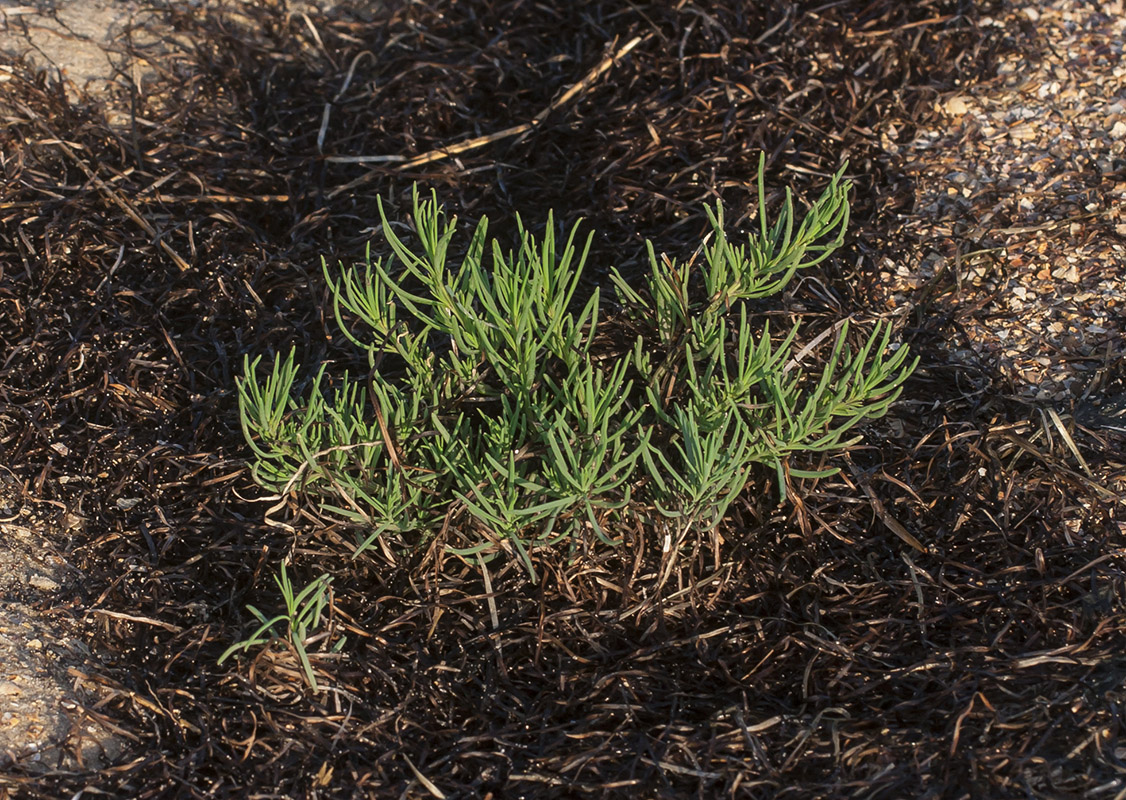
column 1020, row 191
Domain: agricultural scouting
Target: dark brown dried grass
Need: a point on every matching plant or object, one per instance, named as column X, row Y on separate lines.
column 813, row 653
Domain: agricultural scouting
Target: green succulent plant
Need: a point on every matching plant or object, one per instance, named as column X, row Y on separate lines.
column 490, row 393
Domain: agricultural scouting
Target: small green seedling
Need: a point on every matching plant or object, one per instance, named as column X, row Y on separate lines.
column 303, row 612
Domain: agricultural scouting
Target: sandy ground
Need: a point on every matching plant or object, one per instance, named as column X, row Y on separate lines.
column 73, row 39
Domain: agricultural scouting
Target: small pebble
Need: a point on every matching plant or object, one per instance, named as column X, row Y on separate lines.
column 956, row 106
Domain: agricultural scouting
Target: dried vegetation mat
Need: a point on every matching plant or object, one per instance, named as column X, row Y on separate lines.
column 944, row 618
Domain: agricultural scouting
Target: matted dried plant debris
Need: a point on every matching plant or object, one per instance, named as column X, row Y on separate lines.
column 941, row 619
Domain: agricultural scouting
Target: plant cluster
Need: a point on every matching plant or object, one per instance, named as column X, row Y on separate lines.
column 495, row 392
